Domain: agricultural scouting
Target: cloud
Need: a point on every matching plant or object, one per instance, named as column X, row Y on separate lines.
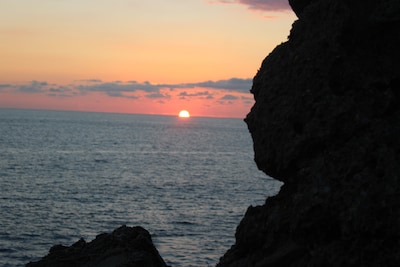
column 229, row 97
column 5, row 86
column 60, row 89
column 233, row 84
column 113, row 88
column 158, row 95
column 117, row 88
column 34, row 87
column 196, row 94
column 129, row 89
column 247, row 100
column 263, row 5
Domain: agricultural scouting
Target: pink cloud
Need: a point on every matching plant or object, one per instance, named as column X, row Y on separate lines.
column 263, row 5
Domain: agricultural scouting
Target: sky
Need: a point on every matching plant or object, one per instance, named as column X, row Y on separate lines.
column 136, row 56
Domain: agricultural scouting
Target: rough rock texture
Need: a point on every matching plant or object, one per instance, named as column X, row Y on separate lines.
column 326, row 122
column 124, row 247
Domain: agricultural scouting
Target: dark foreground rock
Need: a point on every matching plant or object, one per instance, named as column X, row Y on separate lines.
column 326, row 122
column 124, row 247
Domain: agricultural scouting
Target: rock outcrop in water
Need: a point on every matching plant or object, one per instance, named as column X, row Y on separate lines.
column 125, row 246
column 326, row 122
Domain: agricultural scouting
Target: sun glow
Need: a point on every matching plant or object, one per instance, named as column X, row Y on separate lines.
column 184, row 114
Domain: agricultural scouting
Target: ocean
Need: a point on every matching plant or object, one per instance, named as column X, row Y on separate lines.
column 67, row 175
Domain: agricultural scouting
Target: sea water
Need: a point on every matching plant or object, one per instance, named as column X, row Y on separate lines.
column 67, row 175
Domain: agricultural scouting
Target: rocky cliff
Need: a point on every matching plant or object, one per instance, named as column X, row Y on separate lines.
column 326, row 122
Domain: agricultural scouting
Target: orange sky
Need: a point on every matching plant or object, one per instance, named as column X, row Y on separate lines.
column 134, row 56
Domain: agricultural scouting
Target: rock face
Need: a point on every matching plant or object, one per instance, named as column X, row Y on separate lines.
column 124, row 247
column 326, row 122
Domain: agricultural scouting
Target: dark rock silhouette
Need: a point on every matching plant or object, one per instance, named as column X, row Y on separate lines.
column 326, row 122
column 299, row 5
column 124, row 247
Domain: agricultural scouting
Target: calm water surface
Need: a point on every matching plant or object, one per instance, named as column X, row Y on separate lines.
column 66, row 175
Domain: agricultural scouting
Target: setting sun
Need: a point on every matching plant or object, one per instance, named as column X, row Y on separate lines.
column 184, row 114
column 114, row 64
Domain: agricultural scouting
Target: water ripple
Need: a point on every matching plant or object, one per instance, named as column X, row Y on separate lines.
column 64, row 176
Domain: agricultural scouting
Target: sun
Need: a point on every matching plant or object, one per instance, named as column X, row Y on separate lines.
column 184, row 114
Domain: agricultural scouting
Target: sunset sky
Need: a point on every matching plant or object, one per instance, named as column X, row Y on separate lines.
column 136, row 56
